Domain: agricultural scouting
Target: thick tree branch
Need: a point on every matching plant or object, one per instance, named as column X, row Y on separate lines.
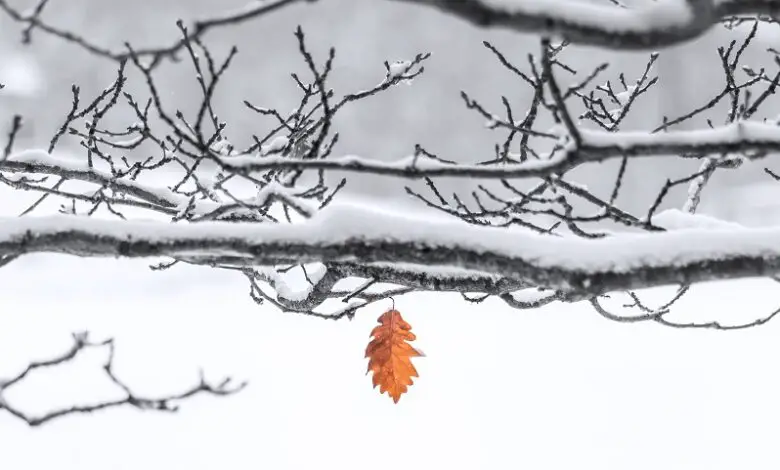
column 589, row 267
column 270, row 179
column 652, row 26
column 656, row 25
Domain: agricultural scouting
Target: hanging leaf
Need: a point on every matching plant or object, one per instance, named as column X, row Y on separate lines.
column 389, row 355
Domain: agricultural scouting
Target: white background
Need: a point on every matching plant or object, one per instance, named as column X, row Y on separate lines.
column 557, row 387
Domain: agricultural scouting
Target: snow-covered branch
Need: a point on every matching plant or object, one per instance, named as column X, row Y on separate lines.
column 520, row 227
column 42, row 163
column 595, row 146
column 653, row 25
column 553, row 240
column 359, row 235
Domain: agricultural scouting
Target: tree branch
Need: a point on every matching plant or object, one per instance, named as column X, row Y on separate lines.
column 595, row 146
column 588, row 267
column 655, row 25
column 81, row 342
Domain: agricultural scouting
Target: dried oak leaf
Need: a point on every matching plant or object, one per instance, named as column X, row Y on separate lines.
column 390, row 355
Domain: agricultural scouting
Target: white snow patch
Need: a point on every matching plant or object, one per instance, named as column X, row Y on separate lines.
column 662, row 14
column 398, row 68
column 275, row 146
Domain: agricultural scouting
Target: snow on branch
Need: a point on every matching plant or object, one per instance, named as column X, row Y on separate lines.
column 652, row 25
column 41, row 162
column 522, row 230
column 357, row 234
column 594, row 146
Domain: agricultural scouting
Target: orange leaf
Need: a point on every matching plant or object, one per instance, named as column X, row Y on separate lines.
column 389, row 355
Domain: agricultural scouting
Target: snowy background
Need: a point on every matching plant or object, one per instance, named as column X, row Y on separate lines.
column 553, row 388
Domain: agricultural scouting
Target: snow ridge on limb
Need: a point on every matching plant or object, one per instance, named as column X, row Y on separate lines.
column 351, row 233
column 656, row 25
column 282, row 173
column 594, row 146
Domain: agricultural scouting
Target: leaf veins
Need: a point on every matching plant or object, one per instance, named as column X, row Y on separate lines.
column 390, row 355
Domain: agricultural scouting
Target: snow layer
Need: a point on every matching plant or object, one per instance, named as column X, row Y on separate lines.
column 661, row 14
column 675, row 219
column 740, row 131
column 342, row 224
